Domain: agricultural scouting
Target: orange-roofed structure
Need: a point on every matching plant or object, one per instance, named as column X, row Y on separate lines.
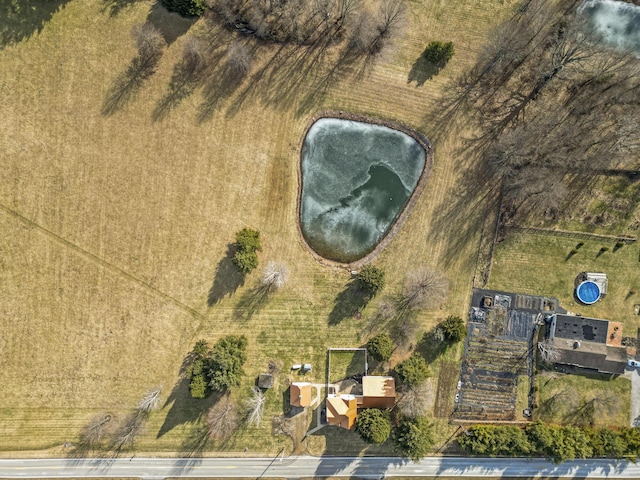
column 377, row 392
column 342, row 410
column 300, row 394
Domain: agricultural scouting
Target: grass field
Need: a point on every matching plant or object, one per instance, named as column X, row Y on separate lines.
column 576, row 395
column 115, row 226
column 346, row 364
column 539, row 264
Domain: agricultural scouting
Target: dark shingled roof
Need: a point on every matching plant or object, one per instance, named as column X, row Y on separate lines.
column 580, row 328
column 596, row 356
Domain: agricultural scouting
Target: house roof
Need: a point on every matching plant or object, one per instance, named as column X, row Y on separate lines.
column 591, row 355
column 378, row 392
column 581, row 328
column 342, row 410
column 300, row 394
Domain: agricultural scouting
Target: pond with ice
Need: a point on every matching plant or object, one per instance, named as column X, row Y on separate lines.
column 618, row 22
column 356, row 180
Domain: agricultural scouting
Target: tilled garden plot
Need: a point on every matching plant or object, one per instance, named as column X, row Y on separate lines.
column 489, row 377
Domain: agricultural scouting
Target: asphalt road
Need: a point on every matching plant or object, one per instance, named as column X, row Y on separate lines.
column 295, row 467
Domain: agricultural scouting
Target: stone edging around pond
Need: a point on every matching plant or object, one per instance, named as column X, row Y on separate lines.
column 422, row 181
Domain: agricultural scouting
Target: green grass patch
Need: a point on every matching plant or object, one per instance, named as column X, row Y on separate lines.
column 583, row 401
column 345, row 364
column 543, row 264
column 522, row 397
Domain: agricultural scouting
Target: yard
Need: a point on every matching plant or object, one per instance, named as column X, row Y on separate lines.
column 542, row 264
column 116, row 224
column 583, row 401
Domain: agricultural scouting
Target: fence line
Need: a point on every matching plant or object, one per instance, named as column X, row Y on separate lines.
column 626, row 239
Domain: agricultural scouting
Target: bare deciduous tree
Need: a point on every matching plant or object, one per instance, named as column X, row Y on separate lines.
column 239, row 59
column 194, row 56
column 149, row 42
column 416, row 402
column 93, row 432
column 275, row 275
column 126, row 433
column 255, row 406
column 424, row 289
column 222, row 419
column 150, row 400
column 548, row 352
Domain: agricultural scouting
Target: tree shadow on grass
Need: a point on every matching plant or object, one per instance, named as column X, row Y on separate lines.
column 422, row 70
column 170, row 24
column 22, row 19
column 195, row 441
column 252, row 301
column 228, row 278
column 183, row 407
column 348, row 303
column 114, row 7
column 184, row 81
column 223, row 81
column 128, row 83
column 430, row 347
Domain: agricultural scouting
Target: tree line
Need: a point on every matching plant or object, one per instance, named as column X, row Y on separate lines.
column 555, row 103
column 559, row 443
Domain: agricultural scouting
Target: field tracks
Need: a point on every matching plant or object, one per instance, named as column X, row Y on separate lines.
column 101, row 262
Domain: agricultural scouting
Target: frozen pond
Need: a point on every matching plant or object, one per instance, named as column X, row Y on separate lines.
column 356, row 179
column 617, row 21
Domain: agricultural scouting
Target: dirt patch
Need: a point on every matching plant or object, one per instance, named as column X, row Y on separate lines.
column 446, row 389
column 294, row 425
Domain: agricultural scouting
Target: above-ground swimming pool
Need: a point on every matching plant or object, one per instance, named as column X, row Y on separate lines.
column 588, row 292
column 357, row 178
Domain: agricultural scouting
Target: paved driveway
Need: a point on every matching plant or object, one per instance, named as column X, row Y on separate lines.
column 635, row 397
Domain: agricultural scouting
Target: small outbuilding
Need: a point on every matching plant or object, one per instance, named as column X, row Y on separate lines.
column 378, row 392
column 300, row 394
column 265, row 380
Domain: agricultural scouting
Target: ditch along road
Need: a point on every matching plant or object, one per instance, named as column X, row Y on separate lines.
column 306, row 466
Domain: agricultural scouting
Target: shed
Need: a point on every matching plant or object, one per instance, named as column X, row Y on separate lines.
column 300, row 394
column 265, row 380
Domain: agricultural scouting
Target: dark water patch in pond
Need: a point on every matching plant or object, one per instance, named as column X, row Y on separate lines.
column 356, row 180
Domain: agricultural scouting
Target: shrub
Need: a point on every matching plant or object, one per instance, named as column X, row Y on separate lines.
column 413, row 371
column 413, row 438
column 489, row 440
column 439, row 53
column 198, row 386
column 187, row 8
column 248, row 240
column 380, row 347
column 227, row 358
column 371, row 278
column 247, row 244
column 373, row 425
column 245, row 261
column 453, row 328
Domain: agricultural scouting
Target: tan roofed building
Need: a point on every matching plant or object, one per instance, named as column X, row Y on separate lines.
column 342, row 410
column 377, row 392
column 300, row 394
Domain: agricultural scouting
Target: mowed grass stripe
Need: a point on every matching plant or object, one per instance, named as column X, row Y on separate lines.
column 99, row 261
